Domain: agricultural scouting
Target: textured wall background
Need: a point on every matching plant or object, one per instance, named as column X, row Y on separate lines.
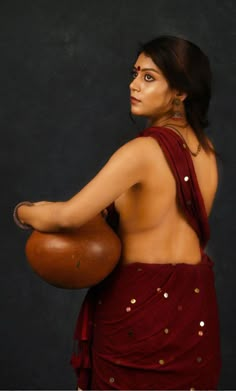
column 64, row 108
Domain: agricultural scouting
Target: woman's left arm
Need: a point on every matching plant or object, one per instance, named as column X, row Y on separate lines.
column 126, row 167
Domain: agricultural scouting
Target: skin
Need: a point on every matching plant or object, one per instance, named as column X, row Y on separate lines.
column 138, row 179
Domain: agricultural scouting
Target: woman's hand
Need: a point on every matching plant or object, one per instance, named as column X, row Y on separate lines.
column 42, row 216
column 38, row 203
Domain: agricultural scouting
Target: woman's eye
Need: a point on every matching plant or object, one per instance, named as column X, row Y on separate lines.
column 148, row 77
column 134, row 74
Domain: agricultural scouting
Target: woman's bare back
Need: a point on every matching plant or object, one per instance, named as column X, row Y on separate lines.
column 153, row 228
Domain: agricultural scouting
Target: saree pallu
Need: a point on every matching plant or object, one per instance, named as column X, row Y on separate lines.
column 154, row 326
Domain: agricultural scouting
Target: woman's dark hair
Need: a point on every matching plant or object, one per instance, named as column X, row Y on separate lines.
column 187, row 69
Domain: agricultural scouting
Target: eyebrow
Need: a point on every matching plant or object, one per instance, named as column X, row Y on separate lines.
column 146, row 69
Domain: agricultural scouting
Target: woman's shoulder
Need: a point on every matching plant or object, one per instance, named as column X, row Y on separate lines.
column 140, row 146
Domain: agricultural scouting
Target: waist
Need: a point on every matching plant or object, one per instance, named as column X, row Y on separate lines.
column 154, row 254
column 155, row 265
column 161, row 246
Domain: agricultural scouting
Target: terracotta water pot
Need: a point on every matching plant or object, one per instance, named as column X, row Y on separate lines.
column 73, row 259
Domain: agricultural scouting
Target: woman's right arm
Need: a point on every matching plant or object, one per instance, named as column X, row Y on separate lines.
column 126, row 167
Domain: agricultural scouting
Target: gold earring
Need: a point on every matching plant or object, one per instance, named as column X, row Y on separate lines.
column 176, row 112
column 177, row 101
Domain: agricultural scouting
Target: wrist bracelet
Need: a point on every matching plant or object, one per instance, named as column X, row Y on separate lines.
column 16, row 217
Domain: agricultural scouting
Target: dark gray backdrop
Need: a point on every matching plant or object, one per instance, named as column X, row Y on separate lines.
column 64, row 74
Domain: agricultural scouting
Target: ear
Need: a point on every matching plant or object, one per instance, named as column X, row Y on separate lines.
column 181, row 95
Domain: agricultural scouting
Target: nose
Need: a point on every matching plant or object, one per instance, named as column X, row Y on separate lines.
column 134, row 85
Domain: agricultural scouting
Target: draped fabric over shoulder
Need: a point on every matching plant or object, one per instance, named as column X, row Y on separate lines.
column 154, row 326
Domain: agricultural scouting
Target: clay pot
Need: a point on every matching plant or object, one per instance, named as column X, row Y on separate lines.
column 74, row 259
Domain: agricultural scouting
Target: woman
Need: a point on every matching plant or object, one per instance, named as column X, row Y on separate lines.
column 152, row 323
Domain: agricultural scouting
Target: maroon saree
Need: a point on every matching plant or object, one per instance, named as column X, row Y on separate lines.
column 154, row 326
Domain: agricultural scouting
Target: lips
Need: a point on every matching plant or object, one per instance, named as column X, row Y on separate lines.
column 133, row 99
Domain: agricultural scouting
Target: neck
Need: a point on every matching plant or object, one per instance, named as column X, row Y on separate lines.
column 168, row 119
column 171, row 121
